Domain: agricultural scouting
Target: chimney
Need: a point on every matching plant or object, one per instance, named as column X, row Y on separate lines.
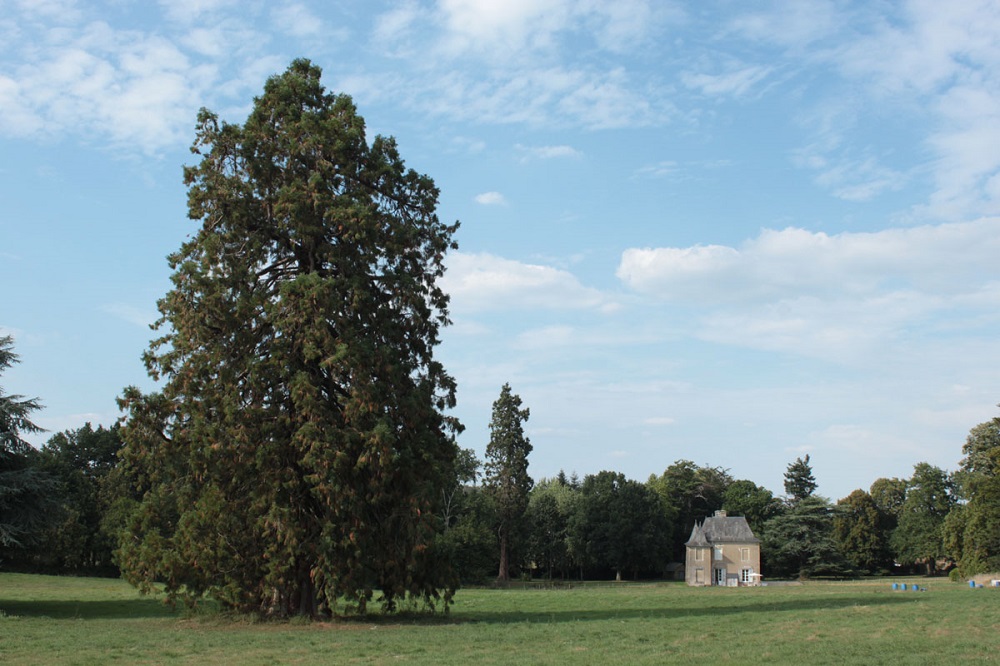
column 721, row 513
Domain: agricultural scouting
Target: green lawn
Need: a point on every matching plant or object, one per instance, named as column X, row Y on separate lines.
column 46, row 620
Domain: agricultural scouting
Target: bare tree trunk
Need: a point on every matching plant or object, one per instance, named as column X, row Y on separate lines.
column 503, row 575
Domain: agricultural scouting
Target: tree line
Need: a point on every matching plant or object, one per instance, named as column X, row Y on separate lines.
column 609, row 526
column 66, row 509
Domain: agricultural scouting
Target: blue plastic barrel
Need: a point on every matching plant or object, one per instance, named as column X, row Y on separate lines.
column 972, row 584
column 895, row 586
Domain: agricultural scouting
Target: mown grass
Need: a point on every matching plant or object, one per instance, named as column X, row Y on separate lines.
column 46, row 620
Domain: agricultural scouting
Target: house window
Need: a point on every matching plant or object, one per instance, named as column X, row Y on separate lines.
column 718, row 552
column 720, row 576
column 699, row 575
column 745, row 575
column 744, row 554
column 699, row 554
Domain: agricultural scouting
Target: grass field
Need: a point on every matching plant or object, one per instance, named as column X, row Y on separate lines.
column 47, row 620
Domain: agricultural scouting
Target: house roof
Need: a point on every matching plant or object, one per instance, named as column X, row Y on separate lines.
column 697, row 539
column 721, row 529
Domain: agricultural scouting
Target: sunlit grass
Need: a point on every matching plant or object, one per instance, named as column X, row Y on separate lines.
column 45, row 620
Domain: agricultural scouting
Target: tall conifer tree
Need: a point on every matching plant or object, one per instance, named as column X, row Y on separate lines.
column 298, row 447
column 27, row 495
column 506, row 478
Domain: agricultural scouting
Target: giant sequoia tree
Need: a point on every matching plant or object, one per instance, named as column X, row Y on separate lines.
column 298, row 447
column 506, row 479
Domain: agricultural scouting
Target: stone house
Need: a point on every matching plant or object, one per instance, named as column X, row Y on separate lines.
column 722, row 550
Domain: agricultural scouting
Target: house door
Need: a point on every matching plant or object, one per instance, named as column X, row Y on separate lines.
column 720, row 576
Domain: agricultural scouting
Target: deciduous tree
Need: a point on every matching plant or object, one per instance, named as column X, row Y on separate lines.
column 755, row 503
column 918, row 536
column 297, row 450
column 972, row 531
column 860, row 530
column 620, row 525
column 80, row 461
column 690, row 493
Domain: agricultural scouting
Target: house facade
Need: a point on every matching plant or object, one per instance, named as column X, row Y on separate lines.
column 722, row 550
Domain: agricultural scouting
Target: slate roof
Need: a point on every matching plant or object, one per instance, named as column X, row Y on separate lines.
column 721, row 529
column 697, row 539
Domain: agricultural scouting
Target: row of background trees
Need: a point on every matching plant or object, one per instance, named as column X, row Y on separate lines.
column 65, row 507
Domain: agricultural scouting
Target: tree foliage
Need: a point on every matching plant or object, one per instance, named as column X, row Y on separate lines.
column 620, row 525
column 506, row 478
column 690, row 493
column 80, row 461
column 972, row 531
column 27, row 494
column 799, row 480
column 297, row 450
column 918, row 537
column 755, row 503
column 860, row 529
column 800, row 542
column 551, row 506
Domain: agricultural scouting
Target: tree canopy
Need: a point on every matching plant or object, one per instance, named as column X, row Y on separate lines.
column 296, row 452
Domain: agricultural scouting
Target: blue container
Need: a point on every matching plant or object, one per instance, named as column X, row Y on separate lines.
column 904, row 586
column 972, row 584
column 895, row 586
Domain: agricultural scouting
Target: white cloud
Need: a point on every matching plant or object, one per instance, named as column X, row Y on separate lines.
column 478, row 282
column 50, row 10
column 524, row 29
column 547, row 152
column 490, row 199
column 661, row 169
column 941, row 259
column 140, row 91
column 843, row 297
column 132, row 314
column 736, row 83
column 795, row 25
column 525, row 45
column 503, row 29
column 297, row 20
column 191, row 11
column 393, row 29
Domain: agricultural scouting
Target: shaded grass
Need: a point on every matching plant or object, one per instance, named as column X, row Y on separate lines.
column 69, row 620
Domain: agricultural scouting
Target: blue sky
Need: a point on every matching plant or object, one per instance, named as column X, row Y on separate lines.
column 729, row 232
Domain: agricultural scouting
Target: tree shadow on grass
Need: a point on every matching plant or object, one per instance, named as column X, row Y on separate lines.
column 677, row 612
column 152, row 608
column 88, row 610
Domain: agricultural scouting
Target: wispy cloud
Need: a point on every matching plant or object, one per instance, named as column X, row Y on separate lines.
column 529, row 153
column 131, row 314
column 297, row 20
column 138, row 90
column 736, row 83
